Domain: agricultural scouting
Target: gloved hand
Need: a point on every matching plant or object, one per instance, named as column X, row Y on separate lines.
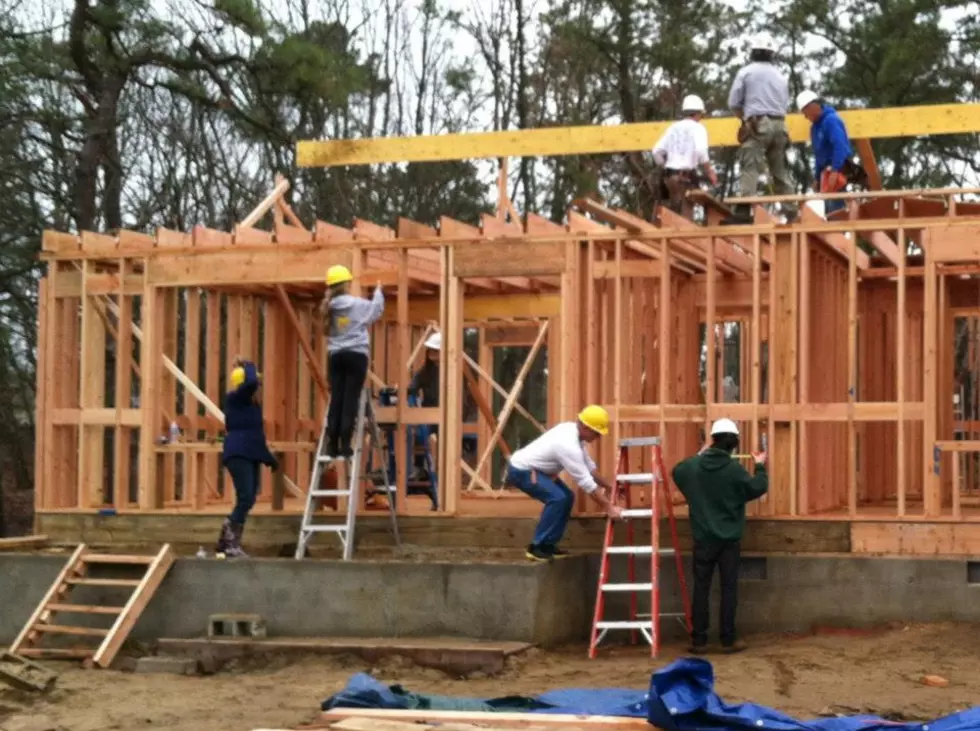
column 832, row 181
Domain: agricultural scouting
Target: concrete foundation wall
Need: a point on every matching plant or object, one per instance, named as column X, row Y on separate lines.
column 796, row 593
column 546, row 605
column 541, row 604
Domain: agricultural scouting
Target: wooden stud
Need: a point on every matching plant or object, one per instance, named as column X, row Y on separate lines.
column 931, row 486
column 852, row 376
column 403, row 365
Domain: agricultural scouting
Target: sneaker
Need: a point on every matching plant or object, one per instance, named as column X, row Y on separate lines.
column 538, row 553
column 697, row 649
column 555, row 551
column 732, row 648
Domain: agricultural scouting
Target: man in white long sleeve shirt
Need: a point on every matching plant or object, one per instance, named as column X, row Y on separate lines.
column 534, row 470
column 681, row 151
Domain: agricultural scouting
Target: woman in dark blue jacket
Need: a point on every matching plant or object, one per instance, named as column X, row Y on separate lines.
column 245, row 449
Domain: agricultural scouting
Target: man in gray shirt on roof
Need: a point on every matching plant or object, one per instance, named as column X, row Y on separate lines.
column 760, row 98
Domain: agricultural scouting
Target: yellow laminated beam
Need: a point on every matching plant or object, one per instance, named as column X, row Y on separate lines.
column 940, row 119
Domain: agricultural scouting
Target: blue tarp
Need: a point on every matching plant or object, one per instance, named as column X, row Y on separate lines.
column 681, row 698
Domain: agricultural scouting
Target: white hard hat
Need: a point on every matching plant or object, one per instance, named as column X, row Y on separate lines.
column 763, row 42
column 434, row 342
column 804, row 98
column 692, row 103
column 724, row 426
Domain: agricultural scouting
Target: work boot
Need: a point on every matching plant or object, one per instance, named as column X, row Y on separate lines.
column 733, row 647
column 554, row 550
column 741, row 216
column 331, row 447
column 539, row 554
column 235, row 549
column 226, row 538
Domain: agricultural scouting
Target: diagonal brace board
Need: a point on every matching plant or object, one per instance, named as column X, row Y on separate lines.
column 509, row 405
column 499, row 389
column 210, row 406
column 315, row 368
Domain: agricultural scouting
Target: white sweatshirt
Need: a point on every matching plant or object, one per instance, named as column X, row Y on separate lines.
column 558, row 449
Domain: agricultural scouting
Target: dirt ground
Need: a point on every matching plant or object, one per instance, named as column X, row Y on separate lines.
column 875, row 672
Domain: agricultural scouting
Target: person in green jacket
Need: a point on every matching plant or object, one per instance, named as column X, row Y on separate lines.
column 717, row 488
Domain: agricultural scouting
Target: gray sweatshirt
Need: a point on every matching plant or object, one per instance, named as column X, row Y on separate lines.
column 350, row 318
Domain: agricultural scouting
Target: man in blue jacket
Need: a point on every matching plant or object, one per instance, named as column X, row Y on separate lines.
column 831, row 147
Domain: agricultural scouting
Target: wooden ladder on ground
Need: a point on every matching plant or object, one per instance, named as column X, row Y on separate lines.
column 76, row 573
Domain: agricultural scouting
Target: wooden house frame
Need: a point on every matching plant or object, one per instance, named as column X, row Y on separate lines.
column 854, row 402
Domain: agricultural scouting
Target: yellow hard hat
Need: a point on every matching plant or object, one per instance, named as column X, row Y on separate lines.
column 337, row 274
column 596, row 418
column 238, row 377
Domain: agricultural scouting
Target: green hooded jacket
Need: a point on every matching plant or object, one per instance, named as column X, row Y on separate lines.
column 717, row 488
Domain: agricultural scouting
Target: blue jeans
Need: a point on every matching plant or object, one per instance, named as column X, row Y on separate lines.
column 557, row 498
column 831, row 206
column 245, row 477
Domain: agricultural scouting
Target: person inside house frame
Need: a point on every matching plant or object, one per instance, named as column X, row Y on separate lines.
column 424, row 386
column 717, row 489
column 244, row 451
column 534, row 470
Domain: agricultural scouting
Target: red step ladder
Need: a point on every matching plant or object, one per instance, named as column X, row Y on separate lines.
column 648, row 625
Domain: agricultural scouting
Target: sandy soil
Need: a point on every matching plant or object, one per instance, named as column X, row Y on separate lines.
column 828, row 673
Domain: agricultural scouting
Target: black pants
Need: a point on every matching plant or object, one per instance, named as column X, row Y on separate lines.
column 245, row 477
column 348, row 370
column 706, row 556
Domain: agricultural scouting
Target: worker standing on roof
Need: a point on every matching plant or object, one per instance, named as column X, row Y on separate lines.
column 348, row 344
column 681, row 151
column 717, row 489
column 832, row 151
column 760, row 98
column 243, row 452
column 534, row 470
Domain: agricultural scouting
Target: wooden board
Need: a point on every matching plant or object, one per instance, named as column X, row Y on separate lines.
column 499, row 720
column 244, row 267
column 501, row 258
column 916, row 539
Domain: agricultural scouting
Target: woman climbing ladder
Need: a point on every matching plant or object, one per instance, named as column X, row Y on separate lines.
column 349, row 347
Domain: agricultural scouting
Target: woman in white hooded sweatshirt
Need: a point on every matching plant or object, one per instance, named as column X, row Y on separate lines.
column 349, row 319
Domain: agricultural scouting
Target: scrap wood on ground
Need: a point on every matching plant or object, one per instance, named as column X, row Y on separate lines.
column 681, row 698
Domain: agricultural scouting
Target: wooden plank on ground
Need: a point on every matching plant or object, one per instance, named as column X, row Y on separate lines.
column 21, row 542
column 499, row 720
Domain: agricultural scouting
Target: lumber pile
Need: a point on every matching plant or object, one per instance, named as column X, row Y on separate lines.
column 360, row 719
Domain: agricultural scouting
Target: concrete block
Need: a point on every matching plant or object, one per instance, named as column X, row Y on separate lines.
column 166, row 664
column 236, row 625
column 25, row 674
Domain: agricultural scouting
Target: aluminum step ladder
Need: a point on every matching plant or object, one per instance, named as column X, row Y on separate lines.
column 646, row 624
column 345, row 531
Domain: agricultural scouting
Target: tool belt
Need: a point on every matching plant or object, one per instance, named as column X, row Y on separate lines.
column 855, row 174
column 750, row 126
column 851, row 172
column 687, row 176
